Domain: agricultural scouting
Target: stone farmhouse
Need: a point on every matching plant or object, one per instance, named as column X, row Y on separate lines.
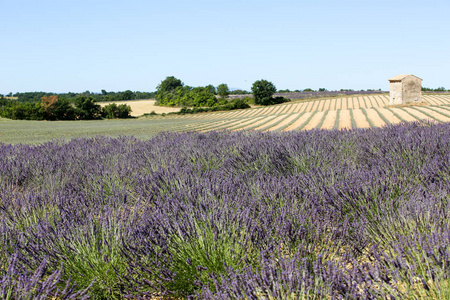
column 405, row 89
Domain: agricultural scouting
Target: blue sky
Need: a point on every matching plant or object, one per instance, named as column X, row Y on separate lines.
column 65, row 45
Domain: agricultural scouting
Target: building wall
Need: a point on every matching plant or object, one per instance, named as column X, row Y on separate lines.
column 408, row 90
column 412, row 90
column 395, row 93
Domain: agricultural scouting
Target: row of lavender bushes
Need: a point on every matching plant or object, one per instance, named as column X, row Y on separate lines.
column 356, row 214
column 315, row 94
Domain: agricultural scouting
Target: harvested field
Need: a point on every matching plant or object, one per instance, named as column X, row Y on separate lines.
column 329, row 120
column 375, row 118
column 140, row 107
column 344, row 120
column 289, row 116
column 360, row 119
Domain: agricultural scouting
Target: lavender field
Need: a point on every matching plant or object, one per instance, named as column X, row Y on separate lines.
column 359, row 214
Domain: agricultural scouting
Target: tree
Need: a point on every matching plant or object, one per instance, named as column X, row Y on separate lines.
column 222, row 90
column 127, row 95
column 263, row 91
column 169, row 84
column 86, row 109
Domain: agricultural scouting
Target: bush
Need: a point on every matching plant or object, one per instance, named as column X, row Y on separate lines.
column 263, row 91
column 114, row 111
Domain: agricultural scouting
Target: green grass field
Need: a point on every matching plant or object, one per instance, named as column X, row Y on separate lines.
column 358, row 112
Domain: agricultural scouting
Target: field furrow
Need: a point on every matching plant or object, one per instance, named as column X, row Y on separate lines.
column 284, row 122
column 434, row 114
column 330, row 120
column 261, row 122
column 299, row 122
column 360, row 119
column 403, row 114
column 345, row 120
column 314, row 120
column 269, row 123
column 417, row 114
column 375, row 117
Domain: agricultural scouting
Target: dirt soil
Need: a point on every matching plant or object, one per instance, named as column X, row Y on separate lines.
column 140, row 107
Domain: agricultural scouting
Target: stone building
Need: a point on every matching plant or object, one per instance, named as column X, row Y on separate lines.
column 405, row 89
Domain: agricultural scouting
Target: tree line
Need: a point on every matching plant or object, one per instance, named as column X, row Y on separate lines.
column 53, row 108
column 173, row 92
column 104, row 96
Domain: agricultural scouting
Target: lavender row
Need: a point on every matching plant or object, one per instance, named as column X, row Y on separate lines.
column 315, row 94
column 342, row 214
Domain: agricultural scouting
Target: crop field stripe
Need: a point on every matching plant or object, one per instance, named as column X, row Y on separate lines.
column 215, row 124
column 439, row 109
column 380, row 103
column 366, row 102
column 327, row 105
column 276, row 110
column 352, row 119
column 432, row 114
column 276, row 123
column 329, row 122
column 371, row 124
column 292, row 108
column 259, row 111
column 445, row 98
column 355, row 103
column 386, row 120
column 285, row 123
column 288, row 125
column 314, row 120
column 299, row 121
column 332, row 104
column 411, row 114
column 281, row 108
column 306, row 121
column 271, row 123
column 309, row 106
column 398, row 116
column 252, row 112
column 438, row 99
column 296, row 107
column 360, row 119
column 322, row 119
column 345, row 120
column 285, row 108
column 220, row 125
column 375, row 118
column 340, row 104
column 344, row 104
column 245, row 123
column 315, row 105
column 349, row 103
column 258, row 123
column 371, row 101
column 442, row 99
column 336, row 120
column 322, row 104
column 384, row 100
column 433, row 101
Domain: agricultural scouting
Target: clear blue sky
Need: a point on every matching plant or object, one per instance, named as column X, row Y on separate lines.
column 65, row 45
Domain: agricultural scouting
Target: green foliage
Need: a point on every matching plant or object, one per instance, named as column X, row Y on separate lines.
column 222, row 90
column 206, row 252
column 172, row 92
column 21, row 111
column 169, row 84
column 232, row 105
column 114, row 111
column 263, row 91
column 93, row 258
column 86, row 109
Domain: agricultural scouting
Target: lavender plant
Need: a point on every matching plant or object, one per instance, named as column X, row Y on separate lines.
column 356, row 214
